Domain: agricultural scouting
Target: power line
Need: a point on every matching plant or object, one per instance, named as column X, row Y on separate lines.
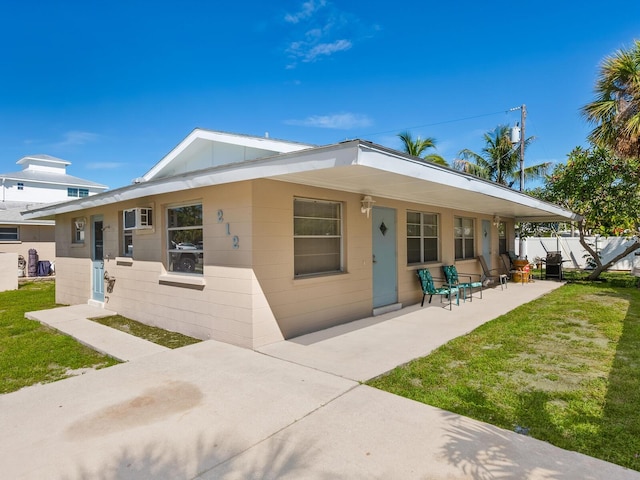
column 437, row 123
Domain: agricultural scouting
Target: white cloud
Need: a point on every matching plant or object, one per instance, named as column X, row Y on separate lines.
column 76, row 137
column 308, row 52
column 343, row 121
column 327, row 49
column 307, row 10
column 319, row 29
column 104, row 165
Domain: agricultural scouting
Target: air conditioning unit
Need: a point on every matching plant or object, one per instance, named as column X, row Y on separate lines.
column 137, row 218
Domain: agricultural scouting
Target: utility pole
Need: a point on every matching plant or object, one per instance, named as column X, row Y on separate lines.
column 523, row 116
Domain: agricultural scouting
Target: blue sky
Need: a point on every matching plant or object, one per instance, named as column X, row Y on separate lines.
column 114, row 86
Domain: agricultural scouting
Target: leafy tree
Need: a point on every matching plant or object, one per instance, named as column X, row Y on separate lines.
column 605, row 190
column 616, row 108
column 418, row 148
column 499, row 160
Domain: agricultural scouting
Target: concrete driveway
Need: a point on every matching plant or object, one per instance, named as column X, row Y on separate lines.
column 292, row 410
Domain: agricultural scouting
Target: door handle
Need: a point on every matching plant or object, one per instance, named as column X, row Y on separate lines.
column 374, row 259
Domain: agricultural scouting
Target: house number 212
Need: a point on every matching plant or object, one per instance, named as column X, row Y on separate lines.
column 235, row 239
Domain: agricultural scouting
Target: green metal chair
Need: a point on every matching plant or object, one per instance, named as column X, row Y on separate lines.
column 452, row 276
column 429, row 288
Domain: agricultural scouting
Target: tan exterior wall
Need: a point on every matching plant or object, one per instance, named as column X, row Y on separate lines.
column 39, row 237
column 8, row 271
column 225, row 303
column 248, row 294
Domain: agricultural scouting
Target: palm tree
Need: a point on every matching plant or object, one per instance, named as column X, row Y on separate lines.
column 417, row 147
column 499, row 160
column 616, row 108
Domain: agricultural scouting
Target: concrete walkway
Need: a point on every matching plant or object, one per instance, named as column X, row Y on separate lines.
column 73, row 321
column 293, row 410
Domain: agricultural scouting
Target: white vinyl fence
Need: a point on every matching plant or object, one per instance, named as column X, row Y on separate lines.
column 607, row 247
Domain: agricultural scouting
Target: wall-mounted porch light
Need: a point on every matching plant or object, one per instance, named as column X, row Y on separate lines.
column 366, row 204
column 496, row 221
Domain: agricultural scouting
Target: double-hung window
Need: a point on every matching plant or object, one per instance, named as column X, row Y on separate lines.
column 317, row 236
column 127, row 243
column 422, row 237
column 78, row 226
column 502, row 237
column 464, row 229
column 184, row 238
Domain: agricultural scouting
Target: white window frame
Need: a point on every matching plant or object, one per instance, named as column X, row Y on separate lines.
column 126, row 235
column 422, row 237
column 178, row 253
column 301, row 270
column 78, row 233
column 464, row 237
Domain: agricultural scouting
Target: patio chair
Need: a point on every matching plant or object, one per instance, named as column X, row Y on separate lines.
column 489, row 276
column 509, row 268
column 452, row 276
column 429, row 288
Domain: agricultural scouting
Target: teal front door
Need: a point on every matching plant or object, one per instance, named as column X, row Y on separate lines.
column 385, row 265
column 97, row 258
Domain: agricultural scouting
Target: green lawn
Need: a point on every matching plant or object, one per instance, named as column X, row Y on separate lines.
column 564, row 369
column 32, row 353
column 153, row 334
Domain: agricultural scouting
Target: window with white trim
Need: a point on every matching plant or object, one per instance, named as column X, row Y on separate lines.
column 464, row 237
column 20, row 185
column 77, row 192
column 127, row 243
column 9, row 234
column 502, row 237
column 423, row 237
column 185, row 239
column 78, row 226
column 317, row 236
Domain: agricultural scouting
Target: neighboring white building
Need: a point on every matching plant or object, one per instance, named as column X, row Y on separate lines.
column 43, row 180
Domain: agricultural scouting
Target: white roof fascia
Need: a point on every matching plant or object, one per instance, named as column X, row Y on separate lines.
column 322, row 160
column 311, row 159
column 263, row 143
column 44, row 159
column 96, row 186
column 446, row 176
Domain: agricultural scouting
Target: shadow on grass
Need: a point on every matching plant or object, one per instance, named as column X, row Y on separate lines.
column 611, row 434
column 620, row 429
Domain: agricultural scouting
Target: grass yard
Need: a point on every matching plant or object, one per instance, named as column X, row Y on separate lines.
column 32, row 353
column 564, row 369
column 153, row 334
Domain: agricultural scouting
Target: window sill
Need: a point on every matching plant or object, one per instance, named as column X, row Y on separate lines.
column 127, row 261
column 185, row 281
column 9, row 242
column 319, row 277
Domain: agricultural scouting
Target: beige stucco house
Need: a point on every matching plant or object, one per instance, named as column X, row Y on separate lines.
column 250, row 240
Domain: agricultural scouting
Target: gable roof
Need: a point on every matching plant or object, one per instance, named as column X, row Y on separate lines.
column 353, row 166
column 208, row 148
